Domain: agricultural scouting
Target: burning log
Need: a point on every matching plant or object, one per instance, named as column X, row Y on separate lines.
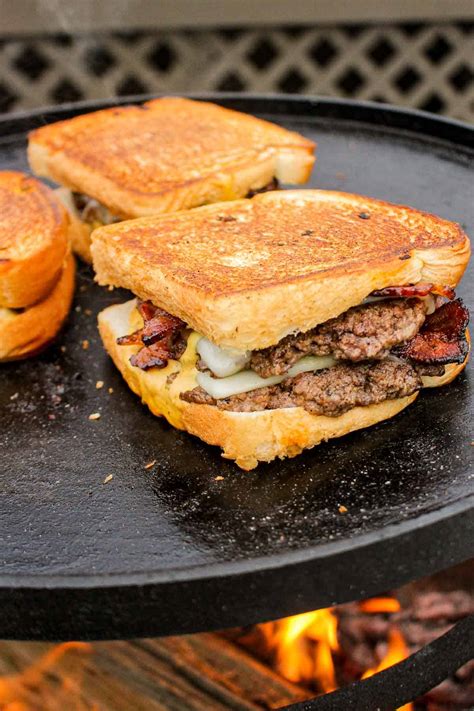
column 193, row 673
column 48, row 682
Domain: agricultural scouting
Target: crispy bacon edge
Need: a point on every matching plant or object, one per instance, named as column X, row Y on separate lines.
column 158, row 337
column 413, row 290
column 442, row 338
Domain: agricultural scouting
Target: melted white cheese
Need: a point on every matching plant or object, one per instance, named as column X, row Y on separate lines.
column 222, row 361
column 65, row 195
column 248, row 380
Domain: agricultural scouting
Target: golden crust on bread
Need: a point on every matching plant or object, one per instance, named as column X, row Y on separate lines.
column 34, row 239
column 168, row 154
column 24, row 334
column 248, row 438
column 247, row 273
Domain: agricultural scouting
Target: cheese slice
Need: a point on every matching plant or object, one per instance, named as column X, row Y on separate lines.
column 248, row 380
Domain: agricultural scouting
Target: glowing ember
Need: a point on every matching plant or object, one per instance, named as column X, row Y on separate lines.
column 45, row 686
column 380, row 604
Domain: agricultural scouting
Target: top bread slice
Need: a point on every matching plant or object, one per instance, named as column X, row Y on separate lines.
column 34, row 240
column 247, row 273
column 168, row 154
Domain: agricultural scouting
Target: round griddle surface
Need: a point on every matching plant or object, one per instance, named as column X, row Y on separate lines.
column 171, row 548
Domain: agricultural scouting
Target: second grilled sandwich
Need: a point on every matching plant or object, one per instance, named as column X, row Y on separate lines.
column 166, row 155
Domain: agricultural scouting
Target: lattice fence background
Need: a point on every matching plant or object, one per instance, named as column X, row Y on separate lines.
column 428, row 66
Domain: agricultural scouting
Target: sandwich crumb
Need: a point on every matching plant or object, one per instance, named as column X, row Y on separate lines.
column 63, row 349
column 150, row 464
column 94, row 416
column 110, row 287
column 88, row 312
column 219, row 478
column 99, row 385
column 110, row 391
column 15, row 395
column 342, row 509
column 85, row 344
column 108, row 478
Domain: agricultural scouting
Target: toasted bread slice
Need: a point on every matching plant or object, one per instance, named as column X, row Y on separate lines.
column 34, row 240
column 246, row 437
column 24, row 334
column 247, row 273
column 168, row 154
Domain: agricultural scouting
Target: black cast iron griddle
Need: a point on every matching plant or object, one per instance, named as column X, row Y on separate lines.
column 170, row 549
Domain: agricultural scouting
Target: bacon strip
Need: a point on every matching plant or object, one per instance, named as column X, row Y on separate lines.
column 158, row 337
column 441, row 339
column 155, row 356
column 159, row 328
column 419, row 290
column 132, row 339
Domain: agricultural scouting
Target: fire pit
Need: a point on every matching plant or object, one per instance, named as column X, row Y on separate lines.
column 265, row 666
column 188, row 544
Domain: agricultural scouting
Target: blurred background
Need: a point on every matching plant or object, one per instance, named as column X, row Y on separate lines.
column 417, row 53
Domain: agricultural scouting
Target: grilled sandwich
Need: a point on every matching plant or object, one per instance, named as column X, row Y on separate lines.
column 167, row 155
column 36, row 269
column 266, row 326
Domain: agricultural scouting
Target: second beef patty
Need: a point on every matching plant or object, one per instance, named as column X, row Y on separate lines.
column 326, row 392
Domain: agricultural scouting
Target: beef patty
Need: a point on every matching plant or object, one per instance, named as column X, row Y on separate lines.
column 325, row 392
column 365, row 332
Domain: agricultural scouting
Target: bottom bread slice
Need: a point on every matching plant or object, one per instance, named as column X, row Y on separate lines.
column 24, row 333
column 247, row 438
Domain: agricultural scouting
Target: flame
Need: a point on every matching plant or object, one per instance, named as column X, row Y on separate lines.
column 44, row 686
column 304, row 648
column 396, row 652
